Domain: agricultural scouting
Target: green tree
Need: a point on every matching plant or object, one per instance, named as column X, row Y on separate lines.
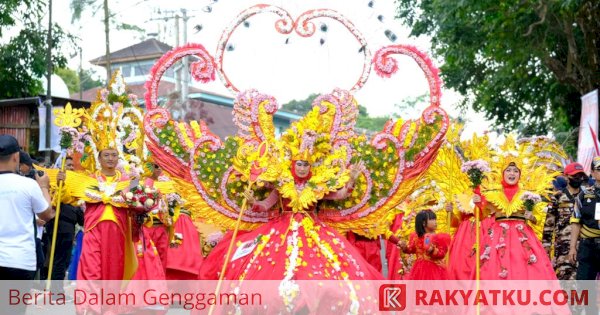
column 70, row 77
column 364, row 121
column 371, row 123
column 300, row 107
column 524, row 63
column 88, row 81
column 23, row 56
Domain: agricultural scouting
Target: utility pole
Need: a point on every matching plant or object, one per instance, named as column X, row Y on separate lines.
column 186, row 72
column 80, row 73
column 106, row 33
column 177, row 72
column 49, row 85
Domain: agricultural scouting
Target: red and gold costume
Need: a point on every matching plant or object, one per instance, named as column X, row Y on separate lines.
column 295, row 231
column 429, row 265
column 113, row 122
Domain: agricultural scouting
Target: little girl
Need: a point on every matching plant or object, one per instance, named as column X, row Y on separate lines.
column 429, row 247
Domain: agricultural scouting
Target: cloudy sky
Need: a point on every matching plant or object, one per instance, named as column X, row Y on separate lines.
column 261, row 59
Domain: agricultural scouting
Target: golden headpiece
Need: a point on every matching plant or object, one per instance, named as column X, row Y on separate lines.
column 308, row 139
column 511, row 154
column 114, row 121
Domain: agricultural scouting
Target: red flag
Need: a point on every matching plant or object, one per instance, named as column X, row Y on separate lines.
column 595, row 139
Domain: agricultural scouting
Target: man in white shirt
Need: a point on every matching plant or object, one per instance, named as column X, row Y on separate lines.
column 21, row 198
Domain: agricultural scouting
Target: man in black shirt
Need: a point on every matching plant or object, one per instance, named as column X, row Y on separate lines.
column 584, row 227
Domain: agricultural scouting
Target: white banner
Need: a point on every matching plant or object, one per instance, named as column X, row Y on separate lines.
column 586, row 149
column 54, row 137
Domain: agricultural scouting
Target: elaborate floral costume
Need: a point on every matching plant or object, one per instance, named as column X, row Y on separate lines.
column 511, row 248
column 462, row 253
column 107, row 249
column 294, row 233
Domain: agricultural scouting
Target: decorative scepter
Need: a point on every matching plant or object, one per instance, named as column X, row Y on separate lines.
column 68, row 119
column 254, row 173
column 476, row 171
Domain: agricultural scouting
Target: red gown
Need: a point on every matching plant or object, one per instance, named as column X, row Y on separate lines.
column 157, row 231
column 149, row 268
column 294, row 246
column 461, row 258
column 393, row 254
column 428, row 266
column 511, row 250
column 103, row 254
column 370, row 249
column 185, row 258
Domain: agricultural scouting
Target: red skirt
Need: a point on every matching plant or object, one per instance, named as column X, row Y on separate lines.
column 511, row 251
column 461, row 259
column 185, row 259
column 262, row 253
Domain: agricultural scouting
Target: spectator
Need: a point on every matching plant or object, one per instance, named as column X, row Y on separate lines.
column 20, row 200
column 70, row 214
column 557, row 229
column 26, row 169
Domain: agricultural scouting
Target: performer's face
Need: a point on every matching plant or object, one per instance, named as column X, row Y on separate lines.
column 596, row 174
column 302, row 168
column 512, row 175
column 109, row 159
column 431, row 225
column 69, row 165
column 157, row 171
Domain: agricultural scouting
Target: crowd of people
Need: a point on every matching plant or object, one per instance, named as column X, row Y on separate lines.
column 568, row 249
column 137, row 223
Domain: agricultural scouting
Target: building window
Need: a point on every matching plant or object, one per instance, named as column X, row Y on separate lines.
column 142, row 69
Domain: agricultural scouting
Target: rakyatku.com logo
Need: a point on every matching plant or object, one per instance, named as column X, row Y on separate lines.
column 392, row 297
column 525, row 295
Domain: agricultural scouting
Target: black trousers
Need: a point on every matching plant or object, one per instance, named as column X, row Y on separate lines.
column 24, row 284
column 588, row 257
column 62, row 258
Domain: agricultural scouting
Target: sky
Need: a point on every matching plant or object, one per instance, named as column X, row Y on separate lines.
column 261, row 59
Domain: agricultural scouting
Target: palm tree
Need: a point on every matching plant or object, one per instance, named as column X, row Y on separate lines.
column 77, row 7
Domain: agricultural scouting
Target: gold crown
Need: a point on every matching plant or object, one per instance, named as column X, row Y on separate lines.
column 114, row 121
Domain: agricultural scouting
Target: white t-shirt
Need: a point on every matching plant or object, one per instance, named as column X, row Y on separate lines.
column 20, row 198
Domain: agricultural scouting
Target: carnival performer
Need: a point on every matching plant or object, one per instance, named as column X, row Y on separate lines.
column 396, row 265
column 511, row 249
column 447, row 190
column 103, row 134
column 557, row 229
column 429, row 247
column 302, row 175
column 370, row 249
column 304, row 226
column 185, row 252
column 158, row 221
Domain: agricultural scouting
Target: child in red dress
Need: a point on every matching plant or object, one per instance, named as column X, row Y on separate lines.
column 429, row 247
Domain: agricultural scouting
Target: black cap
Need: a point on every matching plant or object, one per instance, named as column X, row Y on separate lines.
column 25, row 158
column 8, row 145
